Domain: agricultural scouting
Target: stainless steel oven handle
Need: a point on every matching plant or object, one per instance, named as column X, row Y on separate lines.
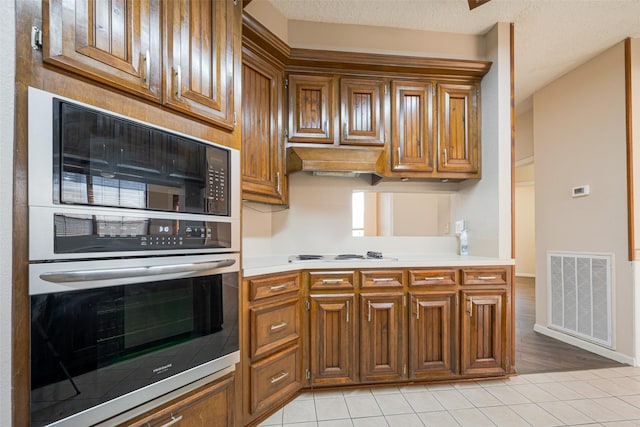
column 123, row 273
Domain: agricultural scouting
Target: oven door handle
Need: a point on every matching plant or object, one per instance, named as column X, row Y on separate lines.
column 123, row 273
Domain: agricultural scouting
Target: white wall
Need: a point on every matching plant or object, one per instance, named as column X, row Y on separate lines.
column 579, row 131
column 7, row 84
column 486, row 204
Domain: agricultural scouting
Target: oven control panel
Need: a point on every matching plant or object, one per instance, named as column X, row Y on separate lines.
column 101, row 233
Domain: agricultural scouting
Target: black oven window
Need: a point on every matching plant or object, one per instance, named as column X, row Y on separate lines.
column 90, row 346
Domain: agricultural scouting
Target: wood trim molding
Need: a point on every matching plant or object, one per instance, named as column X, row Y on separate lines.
column 326, row 59
column 629, row 127
column 259, row 35
column 513, row 191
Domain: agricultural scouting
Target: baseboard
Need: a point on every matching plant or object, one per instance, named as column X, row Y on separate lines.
column 585, row 345
column 530, row 275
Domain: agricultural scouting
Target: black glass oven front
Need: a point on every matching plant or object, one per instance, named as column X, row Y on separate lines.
column 90, row 346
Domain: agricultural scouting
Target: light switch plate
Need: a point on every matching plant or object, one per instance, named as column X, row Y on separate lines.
column 460, row 225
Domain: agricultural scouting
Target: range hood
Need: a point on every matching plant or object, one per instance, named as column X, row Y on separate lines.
column 336, row 161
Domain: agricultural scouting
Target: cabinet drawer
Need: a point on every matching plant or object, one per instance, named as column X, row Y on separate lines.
column 381, row 278
column 273, row 326
column 485, row 276
column 275, row 377
column 266, row 287
column 331, row 280
column 433, row 277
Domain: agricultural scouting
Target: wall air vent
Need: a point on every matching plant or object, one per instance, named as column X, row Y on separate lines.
column 580, row 294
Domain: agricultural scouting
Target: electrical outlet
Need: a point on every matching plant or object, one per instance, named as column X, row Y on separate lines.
column 460, row 225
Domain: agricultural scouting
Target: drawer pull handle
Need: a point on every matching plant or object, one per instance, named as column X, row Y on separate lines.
column 173, row 421
column 382, row 279
column 487, row 277
column 331, row 281
column 277, row 326
column 278, row 287
column 282, row 375
column 434, row 278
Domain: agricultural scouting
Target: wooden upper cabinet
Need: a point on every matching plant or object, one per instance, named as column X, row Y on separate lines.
column 362, row 108
column 411, row 124
column 458, row 128
column 116, row 43
column 311, row 109
column 263, row 177
column 198, row 63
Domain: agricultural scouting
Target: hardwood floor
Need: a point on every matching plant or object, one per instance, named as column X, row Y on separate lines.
column 538, row 353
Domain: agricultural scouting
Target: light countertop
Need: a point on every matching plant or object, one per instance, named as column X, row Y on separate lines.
column 254, row 266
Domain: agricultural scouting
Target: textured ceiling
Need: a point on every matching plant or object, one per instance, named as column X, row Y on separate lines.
column 551, row 36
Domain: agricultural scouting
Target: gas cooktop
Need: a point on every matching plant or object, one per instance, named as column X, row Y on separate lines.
column 369, row 256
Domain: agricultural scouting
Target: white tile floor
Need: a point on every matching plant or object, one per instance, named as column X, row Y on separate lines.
column 599, row 397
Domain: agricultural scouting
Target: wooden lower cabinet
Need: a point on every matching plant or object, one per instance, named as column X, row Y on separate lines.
column 382, row 352
column 433, row 335
column 484, row 329
column 274, row 378
column 333, row 337
column 211, row 405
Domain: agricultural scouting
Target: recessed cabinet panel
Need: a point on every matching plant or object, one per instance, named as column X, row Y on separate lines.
column 484, row 332
column 432, row 335
column 116, row 43
column 411, row 124
column 311, row 111
column 382, row 353
column 199, row 59
column 362, row 107
column 433, row 277
column 458, row 128
column 333, row 332
column 263, row 178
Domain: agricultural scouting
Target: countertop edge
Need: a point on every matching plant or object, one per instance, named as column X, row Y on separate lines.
column 261, row 266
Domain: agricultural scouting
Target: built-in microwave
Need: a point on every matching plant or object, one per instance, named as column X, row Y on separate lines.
column 101, row 184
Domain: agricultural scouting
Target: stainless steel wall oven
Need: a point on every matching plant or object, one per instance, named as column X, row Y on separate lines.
column 133, row 260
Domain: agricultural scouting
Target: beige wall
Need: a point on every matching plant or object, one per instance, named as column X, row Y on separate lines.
column 395, row 41
column 7, row 81
column 270, row 17
column 524, row 137
column 579, row 130
column 525, row 226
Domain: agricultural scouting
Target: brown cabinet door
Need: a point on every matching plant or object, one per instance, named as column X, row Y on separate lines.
column 484, row 332
column 199, row 49
column 311, row 109
column 382, row 354
column 362, row 106
column 432, row 335
column 333, row 332
column 212, row 405
column 458, row 128
column 411, row 124
column 263, row 178
column 116, row 43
